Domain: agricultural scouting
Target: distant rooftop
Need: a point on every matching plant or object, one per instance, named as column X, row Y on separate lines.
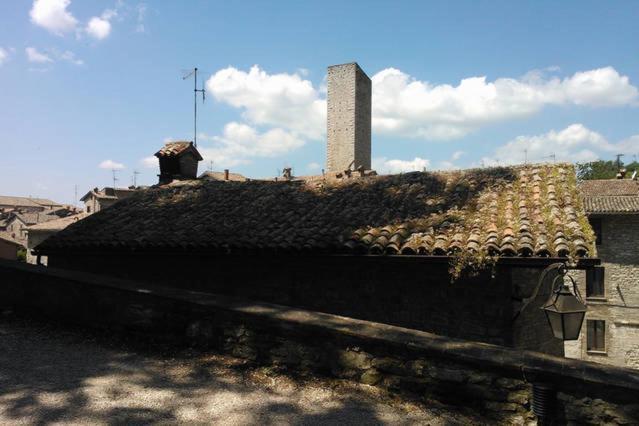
column 610, row 196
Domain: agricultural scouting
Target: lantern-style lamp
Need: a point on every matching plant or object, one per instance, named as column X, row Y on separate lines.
column 564, row 309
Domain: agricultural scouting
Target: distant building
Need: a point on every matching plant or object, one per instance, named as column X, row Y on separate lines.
column 9, row 248
column 27, row 204
column 611, row 330
column 226, row 175
column 41, row 231
column 96, row 200
column 16, row 224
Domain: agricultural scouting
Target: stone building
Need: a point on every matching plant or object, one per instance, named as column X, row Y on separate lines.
column 456, row 253
column 27, row 204
column 611, row 332
column 9, row 247
column 37, row 233
column 348, row 118
column 17, row 224
column 96, row 200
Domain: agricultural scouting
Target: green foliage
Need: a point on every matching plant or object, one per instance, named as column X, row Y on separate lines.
column 22, row 255
column 603, row 169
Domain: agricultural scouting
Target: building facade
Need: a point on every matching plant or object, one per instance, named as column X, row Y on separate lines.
column 610, row 333
column 96, row 200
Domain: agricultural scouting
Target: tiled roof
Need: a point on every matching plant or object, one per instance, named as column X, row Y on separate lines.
column 607, row 187
column 525, row 211
column 172, row 149
column 33, row 218
column 19, row 201
column 610, row 196
column 220, row 176
column 57, row 224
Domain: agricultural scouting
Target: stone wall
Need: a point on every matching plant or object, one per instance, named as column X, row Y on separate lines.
column 397, row 290
column 348, row 118
column 491, row 380
column 619, row 253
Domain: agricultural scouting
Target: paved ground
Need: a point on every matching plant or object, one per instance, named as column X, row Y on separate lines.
column 61, row 374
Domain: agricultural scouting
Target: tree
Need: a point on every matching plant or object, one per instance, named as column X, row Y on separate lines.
column 597, row 170
column 601, row 169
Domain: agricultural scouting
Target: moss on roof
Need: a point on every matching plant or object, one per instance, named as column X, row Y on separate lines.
column 508, row 211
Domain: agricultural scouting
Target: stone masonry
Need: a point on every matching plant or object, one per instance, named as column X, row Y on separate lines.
column 490, row 380
column 348, row 118
column 619, row 308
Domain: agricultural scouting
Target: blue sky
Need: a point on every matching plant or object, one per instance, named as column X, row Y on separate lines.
column 455, row 84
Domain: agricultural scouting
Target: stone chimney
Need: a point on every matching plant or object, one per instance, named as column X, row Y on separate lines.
column 348, row 129
column 178, row 161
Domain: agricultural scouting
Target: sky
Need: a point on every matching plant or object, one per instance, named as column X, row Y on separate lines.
column 88, row 87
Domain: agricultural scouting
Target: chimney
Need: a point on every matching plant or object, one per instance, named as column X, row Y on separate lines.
column 621, row 174
column 178, row 160
column 348, row 118
column 226, row 174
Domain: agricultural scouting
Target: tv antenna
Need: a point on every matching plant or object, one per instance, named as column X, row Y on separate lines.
column 135, row 178
column 115, row 179
column 553, row 156
column 619, row 160
column 195, row 93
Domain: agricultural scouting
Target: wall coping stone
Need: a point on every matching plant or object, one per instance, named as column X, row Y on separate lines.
column 527, row 365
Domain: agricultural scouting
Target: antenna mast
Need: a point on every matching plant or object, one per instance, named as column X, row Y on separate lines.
column 195, row 92
column 135, row 178
column 114, row 178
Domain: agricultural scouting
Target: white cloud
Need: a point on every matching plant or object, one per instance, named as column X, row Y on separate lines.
column 99, row 27
column 53, row 16
column 33, row 55
column 4, row 55
column 313, row 167
column 141, row 9
column 110, row 164
column 281, row 100
column 150, row 162
column 457, row 155
column 405, row 106
column 69, row 56
column 384, row 165
column 240, row 143
column 575, row 143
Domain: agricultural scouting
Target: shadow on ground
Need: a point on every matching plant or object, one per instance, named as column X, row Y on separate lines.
column 58, row 373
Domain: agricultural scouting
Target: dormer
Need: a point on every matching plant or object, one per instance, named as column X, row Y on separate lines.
column 178, row 161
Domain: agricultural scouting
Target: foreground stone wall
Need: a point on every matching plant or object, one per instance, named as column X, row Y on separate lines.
column 492, row 380
column 398, row 290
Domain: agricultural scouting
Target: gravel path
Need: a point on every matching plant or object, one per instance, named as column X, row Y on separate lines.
column 60, row 374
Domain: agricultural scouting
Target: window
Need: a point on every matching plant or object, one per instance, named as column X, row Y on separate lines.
column 595, row 222
column 595, row 282
column 88, row 209
column 596, row 339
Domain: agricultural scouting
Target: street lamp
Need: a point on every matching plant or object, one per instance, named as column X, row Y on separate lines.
column 565, row 310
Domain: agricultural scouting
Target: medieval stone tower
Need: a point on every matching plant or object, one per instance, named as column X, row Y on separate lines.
column 348, row 118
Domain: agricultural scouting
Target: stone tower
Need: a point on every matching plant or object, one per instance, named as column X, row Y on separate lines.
column 348, row 118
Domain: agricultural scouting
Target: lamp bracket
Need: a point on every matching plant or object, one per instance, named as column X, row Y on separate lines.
column 561, row 268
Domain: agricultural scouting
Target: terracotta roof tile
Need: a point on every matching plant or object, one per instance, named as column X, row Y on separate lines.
column 522, row 211
column 610, row 196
